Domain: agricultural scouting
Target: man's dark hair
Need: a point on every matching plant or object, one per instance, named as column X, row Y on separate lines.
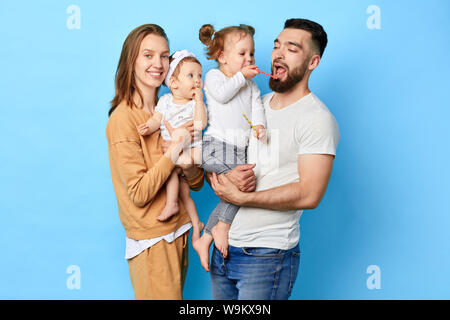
column 318, row 34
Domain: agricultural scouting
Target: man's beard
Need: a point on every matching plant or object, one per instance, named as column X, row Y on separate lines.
column 291, row 80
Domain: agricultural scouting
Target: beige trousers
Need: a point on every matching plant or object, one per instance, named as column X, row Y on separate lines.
column 159, row 272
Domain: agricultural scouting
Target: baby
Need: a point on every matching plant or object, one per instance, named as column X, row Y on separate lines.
column 183, row 104
column 234, row 102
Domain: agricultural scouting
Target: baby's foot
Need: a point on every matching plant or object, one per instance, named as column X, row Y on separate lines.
column 202, row 247
column 169, row 210
column 220, row 235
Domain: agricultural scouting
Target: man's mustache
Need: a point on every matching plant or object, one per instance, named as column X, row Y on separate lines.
column 280, row 63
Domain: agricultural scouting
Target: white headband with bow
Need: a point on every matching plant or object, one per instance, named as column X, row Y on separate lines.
column 177, row 57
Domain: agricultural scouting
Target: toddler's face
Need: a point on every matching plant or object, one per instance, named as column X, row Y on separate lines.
column 189, row 79
column 238, row 52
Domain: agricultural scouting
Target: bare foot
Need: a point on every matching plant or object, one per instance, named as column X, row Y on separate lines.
column 220, row 235
column 169, row 210
column 202, row 247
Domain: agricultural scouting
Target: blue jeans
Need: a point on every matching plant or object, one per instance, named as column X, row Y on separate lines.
column 254, row 273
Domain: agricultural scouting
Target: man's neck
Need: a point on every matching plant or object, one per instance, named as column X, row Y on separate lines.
column 281, row 100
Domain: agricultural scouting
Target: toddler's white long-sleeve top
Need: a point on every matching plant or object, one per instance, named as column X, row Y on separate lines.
column 227, row 99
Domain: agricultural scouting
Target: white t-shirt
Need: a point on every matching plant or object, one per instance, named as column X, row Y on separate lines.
column 227, row 100
column 304, row 127
column 175, row 114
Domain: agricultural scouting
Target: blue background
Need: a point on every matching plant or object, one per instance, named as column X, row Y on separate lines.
column 387, row 203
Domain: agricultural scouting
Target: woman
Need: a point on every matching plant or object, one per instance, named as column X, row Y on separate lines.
column 156, row 251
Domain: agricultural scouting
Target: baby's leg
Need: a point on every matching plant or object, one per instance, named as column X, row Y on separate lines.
column 184, row 160
column 189, row 204
column 202, row 247
column 200, row 244
column 196, row 155
column 172, row 191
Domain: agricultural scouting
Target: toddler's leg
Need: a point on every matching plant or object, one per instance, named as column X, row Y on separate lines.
column 172, row 191
column 220, row 157
column 222, row 217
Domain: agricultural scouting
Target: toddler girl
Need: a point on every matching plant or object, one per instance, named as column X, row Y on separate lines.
column 183, row 104
column 230, row 95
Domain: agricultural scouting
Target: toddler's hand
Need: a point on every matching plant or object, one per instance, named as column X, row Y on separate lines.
column 260, row 133
column 250, row 71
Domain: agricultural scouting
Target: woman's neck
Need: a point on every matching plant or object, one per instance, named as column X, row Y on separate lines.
column 148, row 96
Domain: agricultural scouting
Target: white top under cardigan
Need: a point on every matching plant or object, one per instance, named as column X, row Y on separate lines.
column 227, row 99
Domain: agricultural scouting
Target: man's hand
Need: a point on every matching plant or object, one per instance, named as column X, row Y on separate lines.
column 243, row 177
column 225, row 189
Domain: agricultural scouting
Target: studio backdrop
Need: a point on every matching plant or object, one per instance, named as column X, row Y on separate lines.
column 382, row 228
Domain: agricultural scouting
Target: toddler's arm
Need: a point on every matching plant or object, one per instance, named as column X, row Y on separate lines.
column 258, row 115
column 221, row 88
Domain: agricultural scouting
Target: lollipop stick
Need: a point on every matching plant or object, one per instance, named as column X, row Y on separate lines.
column 267, row 74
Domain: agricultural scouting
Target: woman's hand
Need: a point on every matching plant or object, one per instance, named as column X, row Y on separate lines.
column 180, row 138
column 183, row 134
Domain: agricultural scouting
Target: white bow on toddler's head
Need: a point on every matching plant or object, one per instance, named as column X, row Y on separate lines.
column 177, row 57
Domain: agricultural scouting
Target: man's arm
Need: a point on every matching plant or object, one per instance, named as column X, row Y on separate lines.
column 314, row 171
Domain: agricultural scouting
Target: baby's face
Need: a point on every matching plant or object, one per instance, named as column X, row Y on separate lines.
column 189, row 79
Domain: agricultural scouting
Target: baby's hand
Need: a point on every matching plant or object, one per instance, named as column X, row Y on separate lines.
column 250, row 71
column 260, row 133
column 197, row 94
column 144, row 129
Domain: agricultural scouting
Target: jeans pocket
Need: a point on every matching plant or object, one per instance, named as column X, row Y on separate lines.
column 262, row 252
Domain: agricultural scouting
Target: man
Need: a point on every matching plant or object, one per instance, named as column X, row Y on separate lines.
column 263, row 255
